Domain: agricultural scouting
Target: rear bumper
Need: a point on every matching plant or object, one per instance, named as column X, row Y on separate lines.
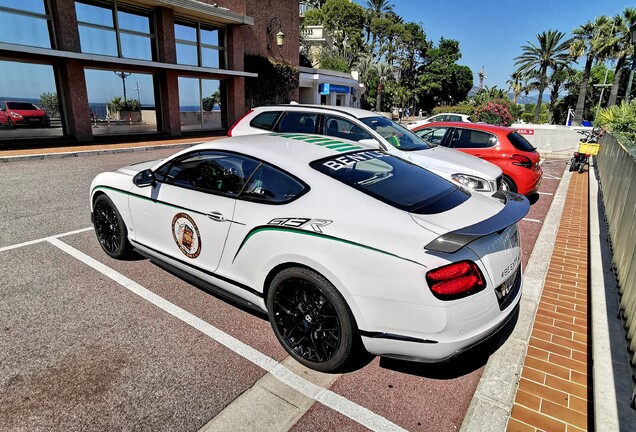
column 426, row 350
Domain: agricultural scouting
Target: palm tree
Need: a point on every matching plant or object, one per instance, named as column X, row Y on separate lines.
column 379, row 7
column 588, row 42
column 515, row 85
column 560, row 77
column 622, row 47
column 551, row 52
column 384, row 72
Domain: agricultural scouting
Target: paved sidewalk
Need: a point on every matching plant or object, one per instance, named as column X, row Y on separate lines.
column 555, row 388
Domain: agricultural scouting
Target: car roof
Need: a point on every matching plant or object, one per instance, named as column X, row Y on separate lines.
column 355, row 112
column 477, row 126
column 286, row 149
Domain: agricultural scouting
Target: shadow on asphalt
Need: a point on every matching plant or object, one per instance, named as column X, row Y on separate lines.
column 464, row 364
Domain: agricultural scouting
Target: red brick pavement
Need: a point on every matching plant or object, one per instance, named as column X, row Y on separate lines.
column 555, row 388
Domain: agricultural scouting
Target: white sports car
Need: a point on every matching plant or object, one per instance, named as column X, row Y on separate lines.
column 344, row 246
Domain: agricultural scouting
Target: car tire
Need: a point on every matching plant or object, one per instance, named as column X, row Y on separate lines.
column 10, row 123
column 311, row 320
column 110, row 229
column 508, row 184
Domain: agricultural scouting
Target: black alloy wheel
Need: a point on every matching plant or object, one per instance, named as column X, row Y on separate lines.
column 311, row 319
column 110, row 228
column 508, row 185
column 10, row 123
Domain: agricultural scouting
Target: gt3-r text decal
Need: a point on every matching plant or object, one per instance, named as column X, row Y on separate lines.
column 314, row 224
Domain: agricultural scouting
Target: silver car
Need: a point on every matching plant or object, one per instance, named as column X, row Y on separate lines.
column 370, row 128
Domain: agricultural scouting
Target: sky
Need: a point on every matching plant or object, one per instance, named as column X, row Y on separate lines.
column 491, row 32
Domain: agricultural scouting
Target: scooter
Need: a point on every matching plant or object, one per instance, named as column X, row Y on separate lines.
column 587, row 147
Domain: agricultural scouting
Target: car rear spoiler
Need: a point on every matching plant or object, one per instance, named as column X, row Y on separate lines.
column 516, row 207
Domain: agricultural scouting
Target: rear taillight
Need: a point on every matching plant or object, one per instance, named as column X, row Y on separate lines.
column 455, row 280
column 229, row 133
column 521, row 160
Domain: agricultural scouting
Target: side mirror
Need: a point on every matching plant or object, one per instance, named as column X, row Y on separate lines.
column 144, row 178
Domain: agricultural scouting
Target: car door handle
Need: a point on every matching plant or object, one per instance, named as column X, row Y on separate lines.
column 216, row 216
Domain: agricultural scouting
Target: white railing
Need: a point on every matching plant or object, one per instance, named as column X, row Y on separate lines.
column 314, row 33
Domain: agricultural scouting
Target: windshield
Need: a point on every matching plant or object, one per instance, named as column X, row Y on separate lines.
column 22, row 106
column 399, row 137
column 399, row 183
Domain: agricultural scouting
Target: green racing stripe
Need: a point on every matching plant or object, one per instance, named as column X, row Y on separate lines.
column 265, row 228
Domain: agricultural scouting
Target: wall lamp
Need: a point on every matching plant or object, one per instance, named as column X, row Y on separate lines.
column 274, row 25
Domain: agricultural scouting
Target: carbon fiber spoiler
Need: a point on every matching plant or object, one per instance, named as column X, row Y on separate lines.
column 516, row 207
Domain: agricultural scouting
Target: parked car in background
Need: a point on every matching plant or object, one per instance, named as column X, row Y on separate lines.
column 22, row 114
column 442, row 117
column 372, row 129
column 503, row 146
column 337, row 243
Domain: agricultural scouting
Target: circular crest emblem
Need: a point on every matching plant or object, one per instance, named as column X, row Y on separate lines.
column 186, row 235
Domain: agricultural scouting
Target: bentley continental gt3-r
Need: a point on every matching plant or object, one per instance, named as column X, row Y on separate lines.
column 344, row 246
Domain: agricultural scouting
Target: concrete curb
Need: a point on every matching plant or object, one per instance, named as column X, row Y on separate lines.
column 492, row 403
column 83, row 153
column 612, row 372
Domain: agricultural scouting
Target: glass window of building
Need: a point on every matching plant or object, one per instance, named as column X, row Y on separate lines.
column 121, row 102
column 29, row 105
column 200, row 45
column 26, row 22
column 200, row 104
column 115, row 30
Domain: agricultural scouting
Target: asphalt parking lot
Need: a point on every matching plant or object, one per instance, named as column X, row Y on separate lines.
column 90, row 343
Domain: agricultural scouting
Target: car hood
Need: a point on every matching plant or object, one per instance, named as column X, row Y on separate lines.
column 133, row 169
column 27, row 112
column 477, row 217
column 449, row 161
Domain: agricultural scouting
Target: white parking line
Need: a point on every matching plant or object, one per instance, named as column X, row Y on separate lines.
column 32, row 242
column 358, row 413
column 545, row 193
column 550, row 177
column 532, row 220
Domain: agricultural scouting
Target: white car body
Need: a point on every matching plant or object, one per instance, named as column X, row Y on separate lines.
column 377, row 256
column 475, row 173
column 439, row 118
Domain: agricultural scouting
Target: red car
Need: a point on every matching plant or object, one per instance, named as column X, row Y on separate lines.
column 503, row 146
column 22, row 113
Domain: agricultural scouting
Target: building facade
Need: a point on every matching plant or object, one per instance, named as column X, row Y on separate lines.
column 122, row 67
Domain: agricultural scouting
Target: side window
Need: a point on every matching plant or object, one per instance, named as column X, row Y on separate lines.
column 265, row 120
column 454, row 118
column 270, row 185
column 209, row 171
column 342, row 128
column 437, row 118
column 298, row 122
column 433, row 135
column 465, row 138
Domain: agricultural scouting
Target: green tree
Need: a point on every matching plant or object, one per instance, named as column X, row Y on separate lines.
column 550, row 52
column 621, row 47
column 587, row 42
column 209, row 102
column 557, row 80
column 50, row 104
column 441, row 81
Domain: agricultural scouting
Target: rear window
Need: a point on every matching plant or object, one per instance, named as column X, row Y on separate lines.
column 394, row 181
column 519, row 142
column 265, row 120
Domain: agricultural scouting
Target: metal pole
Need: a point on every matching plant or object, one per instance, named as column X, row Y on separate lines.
column 598, row 108
column 123, row 76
